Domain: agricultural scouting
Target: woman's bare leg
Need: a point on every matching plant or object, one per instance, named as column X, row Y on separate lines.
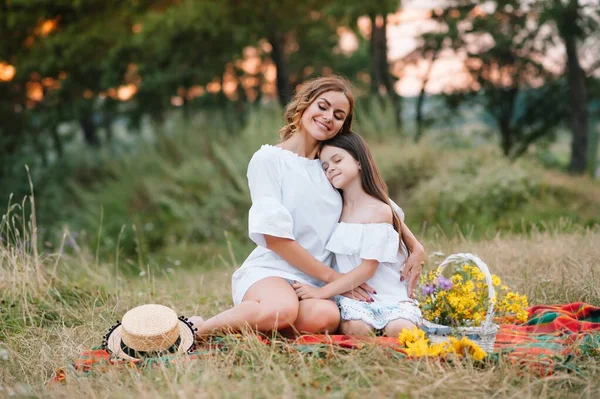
column 395, row 327
column 269, row 304
column 317, row 316
column 356, row 327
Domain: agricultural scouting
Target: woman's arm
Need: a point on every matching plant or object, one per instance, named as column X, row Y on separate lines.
column 346, row 282
column 294, row 254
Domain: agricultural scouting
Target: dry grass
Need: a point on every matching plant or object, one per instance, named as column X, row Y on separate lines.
column 55, row 306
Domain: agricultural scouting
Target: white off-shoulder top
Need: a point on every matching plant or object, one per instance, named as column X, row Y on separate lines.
column 353, row 242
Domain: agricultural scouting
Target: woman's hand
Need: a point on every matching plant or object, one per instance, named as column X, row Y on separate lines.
column 307, row 291
column 360, row 293
column 412, row 269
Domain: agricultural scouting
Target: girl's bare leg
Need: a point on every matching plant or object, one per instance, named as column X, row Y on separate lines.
column 269, row 304
column 356, row 327
column 394, row 327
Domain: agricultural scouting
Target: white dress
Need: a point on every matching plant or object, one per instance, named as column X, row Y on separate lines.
column 291, row 198
column 353, row 242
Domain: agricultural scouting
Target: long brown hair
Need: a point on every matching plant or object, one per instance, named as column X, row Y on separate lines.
column 306, row 93
column 370, row 176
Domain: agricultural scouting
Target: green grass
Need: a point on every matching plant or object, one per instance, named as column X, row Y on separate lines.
column 56, row 305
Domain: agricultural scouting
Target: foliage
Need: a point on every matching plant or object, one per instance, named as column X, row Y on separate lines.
column 503, row 50
column 476, row 189
column 183, row 184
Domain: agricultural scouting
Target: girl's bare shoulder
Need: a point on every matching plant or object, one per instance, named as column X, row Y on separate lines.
column 379, row 212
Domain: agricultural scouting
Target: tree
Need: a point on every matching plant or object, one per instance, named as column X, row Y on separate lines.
column 60, row 50
column 502, row 52
column 348, row 12
column 181, row 45
column 431, row 45
column 574, row 22
column 299, row 34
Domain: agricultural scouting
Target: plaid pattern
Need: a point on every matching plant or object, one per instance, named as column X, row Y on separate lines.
column 549, row 339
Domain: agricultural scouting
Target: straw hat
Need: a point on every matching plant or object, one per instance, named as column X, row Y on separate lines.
column 150, row 331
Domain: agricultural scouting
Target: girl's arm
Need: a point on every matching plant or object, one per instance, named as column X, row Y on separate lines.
column 297, row 256
column 346, row 282
column 411, row 241
column 414, row 263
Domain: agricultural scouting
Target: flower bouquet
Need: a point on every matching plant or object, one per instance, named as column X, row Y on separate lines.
column 464, row 303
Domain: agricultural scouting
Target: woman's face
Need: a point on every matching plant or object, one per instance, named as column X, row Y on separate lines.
column 340, row 167
column 325, row 116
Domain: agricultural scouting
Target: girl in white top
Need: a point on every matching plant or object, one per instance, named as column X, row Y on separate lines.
column 368, row 243
column 294, row 211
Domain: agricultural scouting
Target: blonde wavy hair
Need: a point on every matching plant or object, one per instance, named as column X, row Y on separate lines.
column 308, row 92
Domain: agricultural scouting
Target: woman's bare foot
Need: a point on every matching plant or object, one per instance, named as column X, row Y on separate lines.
column 197, row 321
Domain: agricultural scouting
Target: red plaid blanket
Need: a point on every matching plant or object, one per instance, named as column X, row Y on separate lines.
column 551, row 337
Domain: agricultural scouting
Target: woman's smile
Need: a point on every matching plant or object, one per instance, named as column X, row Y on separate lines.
column 322, row 125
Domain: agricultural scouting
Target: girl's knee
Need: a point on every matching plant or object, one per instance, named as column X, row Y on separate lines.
column 395, row 327
column 317, row 316
column 356, row 327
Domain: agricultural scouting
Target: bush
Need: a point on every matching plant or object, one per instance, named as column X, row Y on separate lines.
column 189, row 184
column 474, row 190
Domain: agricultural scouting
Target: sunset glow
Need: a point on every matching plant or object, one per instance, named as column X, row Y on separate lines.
column 124, row 93
column 7, row 72
column 46, row 27
column 35, row 91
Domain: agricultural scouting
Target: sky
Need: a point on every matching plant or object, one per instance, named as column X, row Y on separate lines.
column 448, row 72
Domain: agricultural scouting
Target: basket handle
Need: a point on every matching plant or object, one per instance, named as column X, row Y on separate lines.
column 462, row 257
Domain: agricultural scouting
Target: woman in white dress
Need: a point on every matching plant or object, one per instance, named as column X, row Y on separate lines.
column 294, row 211
column 371, row 244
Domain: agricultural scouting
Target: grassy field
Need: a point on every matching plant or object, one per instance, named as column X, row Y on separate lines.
column 165, row 222
column 55, row 305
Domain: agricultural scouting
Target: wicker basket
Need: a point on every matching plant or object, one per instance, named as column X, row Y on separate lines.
column 484, row 335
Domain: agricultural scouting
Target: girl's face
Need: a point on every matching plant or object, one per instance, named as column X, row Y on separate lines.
column 325, row 116
column 340, row 167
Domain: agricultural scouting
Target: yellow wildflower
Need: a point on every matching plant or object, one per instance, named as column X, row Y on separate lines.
column 418, row 348
column 408, row 336
column 496, row 280
column 440, row 349
column 466, row 347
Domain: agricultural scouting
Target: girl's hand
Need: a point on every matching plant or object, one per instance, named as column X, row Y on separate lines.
column 307, row 291
column 412, row 270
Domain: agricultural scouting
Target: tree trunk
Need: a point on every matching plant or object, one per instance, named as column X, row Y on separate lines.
column 378, row 53
column 579, row 117
column 380, row 69
column 58, row 147
column 37, row 138
column 506, row 139
column 89, row 131
column 594, row 143
column 284, row 90
column 187, row 112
